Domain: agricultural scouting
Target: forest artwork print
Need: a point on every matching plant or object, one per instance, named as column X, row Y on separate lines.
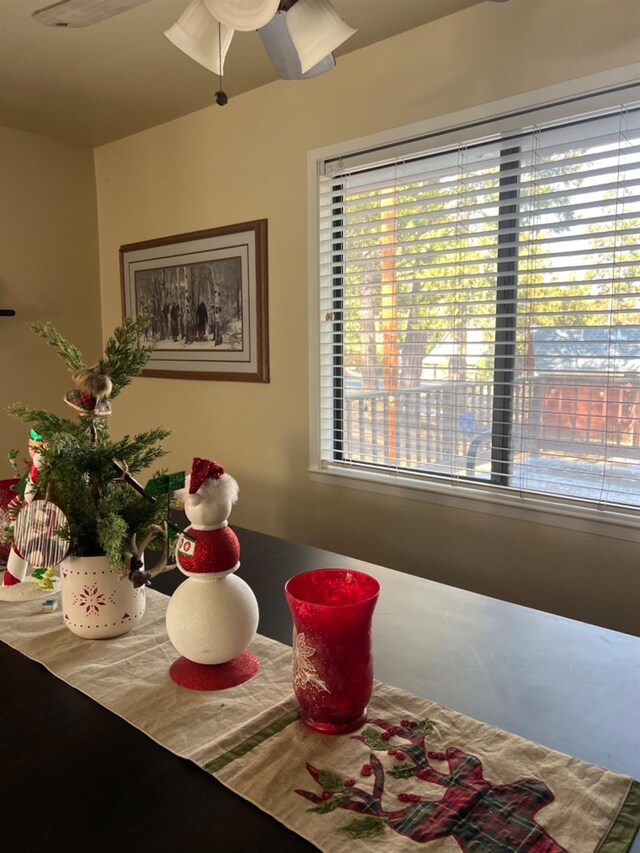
column 205, row 295
column 192, row 306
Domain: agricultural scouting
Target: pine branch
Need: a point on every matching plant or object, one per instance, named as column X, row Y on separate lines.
column 70, row 354
column 77, row 471
column 124, row 355
column 141, row 451
column 46, row 423
column 112, row 534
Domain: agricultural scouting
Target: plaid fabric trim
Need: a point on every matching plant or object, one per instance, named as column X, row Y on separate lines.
column 480, row 816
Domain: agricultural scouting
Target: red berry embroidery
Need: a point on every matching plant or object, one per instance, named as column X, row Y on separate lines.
column 409, row 798
column 405, row 723
column 367, row 770
column 326, row 795
column 437, row 756
column 391, row 751
column 400, row 755
column 349, row 783
column 385, row 735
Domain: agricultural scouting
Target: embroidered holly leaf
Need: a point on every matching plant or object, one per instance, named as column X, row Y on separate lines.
column 402, row 771
column 367, row 827
column 328, row 805
column 373, row 739
column 330, row 781
column 426, row 727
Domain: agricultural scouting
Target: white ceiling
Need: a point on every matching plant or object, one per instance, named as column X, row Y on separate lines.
column 107, row 81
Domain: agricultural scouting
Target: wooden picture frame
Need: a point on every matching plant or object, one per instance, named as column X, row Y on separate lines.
column 206, row 294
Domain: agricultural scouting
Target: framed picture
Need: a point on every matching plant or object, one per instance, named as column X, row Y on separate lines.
column 206, row 294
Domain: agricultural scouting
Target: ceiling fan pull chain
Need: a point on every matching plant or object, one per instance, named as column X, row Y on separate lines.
column 221, row 98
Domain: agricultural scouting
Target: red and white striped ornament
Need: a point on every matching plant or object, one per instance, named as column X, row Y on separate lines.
column 36, row 536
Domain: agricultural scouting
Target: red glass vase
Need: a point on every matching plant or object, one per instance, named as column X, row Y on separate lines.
column 6, row 496
column 332, row 656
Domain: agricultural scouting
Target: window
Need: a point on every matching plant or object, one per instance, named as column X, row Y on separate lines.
column 479, row 320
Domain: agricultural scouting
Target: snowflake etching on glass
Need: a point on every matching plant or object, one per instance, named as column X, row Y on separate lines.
column 305, row 673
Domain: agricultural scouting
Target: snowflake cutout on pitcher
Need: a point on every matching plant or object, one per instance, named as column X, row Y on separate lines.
column 304, row 671
column 90, row 599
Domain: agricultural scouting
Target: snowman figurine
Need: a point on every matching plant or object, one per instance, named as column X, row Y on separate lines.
column 212, row 616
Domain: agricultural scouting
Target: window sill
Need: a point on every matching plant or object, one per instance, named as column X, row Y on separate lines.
column 463, row 496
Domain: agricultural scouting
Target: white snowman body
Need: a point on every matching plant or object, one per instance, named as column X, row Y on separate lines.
column 213, row 616
column 212, row 620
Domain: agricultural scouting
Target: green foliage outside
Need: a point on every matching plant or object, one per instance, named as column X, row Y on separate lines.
column 438, row 238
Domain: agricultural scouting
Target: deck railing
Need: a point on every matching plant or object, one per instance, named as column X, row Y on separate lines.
column 441, row 424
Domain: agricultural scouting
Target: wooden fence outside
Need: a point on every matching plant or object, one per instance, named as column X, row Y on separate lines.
column 443, row 423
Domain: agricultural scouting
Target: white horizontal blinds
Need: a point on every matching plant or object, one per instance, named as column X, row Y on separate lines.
column 418, row 253
column 578, row 313
column 480, row 305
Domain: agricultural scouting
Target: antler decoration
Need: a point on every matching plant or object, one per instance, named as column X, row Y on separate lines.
column 137, row 575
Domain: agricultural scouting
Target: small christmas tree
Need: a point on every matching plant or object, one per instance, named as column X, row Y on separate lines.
column 86, row 473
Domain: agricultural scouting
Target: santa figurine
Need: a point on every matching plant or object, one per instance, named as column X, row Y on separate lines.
column 212, row 617
column 17, row 566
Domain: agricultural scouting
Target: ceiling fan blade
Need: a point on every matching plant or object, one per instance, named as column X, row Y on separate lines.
column 283, row 54
column 82, row 13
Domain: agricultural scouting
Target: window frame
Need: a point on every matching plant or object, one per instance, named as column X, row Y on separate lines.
column 507, row 115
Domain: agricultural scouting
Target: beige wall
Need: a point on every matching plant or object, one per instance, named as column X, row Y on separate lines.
column 248, row 161
column 48, row 270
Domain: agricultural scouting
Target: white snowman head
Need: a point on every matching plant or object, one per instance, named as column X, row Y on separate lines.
column 208, row 495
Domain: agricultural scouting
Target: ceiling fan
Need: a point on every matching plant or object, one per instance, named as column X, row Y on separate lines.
column 298, row 35
column 84, row 13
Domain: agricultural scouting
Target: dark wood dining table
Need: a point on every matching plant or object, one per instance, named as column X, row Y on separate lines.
column 76, row 777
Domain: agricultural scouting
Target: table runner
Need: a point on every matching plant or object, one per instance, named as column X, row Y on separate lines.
column 416, row 773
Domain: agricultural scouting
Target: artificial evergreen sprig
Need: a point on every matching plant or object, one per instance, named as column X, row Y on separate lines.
column 105, row 515
column 121, row 514
column 141, row 451
column 70, row 354
column 124, row 355
column 46, row 423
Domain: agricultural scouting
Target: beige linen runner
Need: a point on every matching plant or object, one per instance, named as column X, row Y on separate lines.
column 416, row 776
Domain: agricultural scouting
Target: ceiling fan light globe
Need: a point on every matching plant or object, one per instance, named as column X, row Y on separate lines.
column 243, row 15
column 316, row 30
column 201, row 37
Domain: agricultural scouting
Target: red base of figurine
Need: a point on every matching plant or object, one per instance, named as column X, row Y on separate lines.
column 9, row 579
column 215, row 676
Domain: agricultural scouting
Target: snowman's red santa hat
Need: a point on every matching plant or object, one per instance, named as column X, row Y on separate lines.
column 210, row 482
